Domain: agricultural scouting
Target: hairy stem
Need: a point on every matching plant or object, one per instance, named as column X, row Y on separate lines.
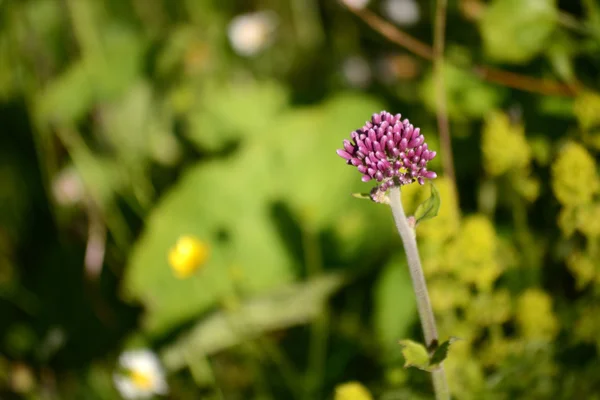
column 409, row 241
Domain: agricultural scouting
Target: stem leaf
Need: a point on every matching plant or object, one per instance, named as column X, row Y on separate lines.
column 440, row 353
column 362, row 196
column 430, row 207
column 415, row 354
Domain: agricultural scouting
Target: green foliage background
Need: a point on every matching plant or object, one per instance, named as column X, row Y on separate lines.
column 129, row 123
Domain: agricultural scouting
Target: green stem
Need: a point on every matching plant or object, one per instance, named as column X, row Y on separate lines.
column 439, row 39
column 319, row 334
column 409, row 241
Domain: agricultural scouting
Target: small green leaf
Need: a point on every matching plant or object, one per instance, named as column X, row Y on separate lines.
column 415, row 355
column 430, row 207
column 441, row 353
column 362, row 196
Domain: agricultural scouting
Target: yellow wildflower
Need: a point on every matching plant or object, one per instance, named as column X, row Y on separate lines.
column 504, row 145
column 497, row 348
column 526, row 186
column 588, row 220
column 574, row 177
column 587, row 109
column 352, row 391
column 534, row 315
column 566, row 221
column 447, row 222
column 490, row 308
column 588, row 324
column 472, row 256
column 188, row 254
column 583, row 268
column 447, row 294
column 465, row 376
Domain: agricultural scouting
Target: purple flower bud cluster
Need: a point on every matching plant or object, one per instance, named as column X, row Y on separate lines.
column 391, row 151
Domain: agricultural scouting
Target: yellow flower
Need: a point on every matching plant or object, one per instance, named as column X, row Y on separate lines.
column 583, row 268
column 588, row 324
column 504, row 145
column 534, row 315
column 497, row 348
column 526, row 186
column 574, row 177
column 447, row 222
column 352, row 391
column 588, row 220
column 566, row 221
column 490, row 308
column 188, row 254
column 447, row 294
column 465, row 376
column 472, row 255
column 587, row 109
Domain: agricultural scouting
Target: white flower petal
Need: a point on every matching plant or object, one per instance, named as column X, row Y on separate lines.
column 402, row 12
column 145, row 363
column 359, row 4
column 251, row 33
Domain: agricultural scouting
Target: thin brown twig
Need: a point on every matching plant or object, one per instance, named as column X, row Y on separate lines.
column 394, row 34
column 501, row 77
column 439, row 38
column 526, row 83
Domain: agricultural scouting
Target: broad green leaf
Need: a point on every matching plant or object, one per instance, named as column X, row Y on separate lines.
column 226, row 204
column 316, row 182
column 68, row 97
column 286, row 306
column 515, row 31
column 467, row 96
column 229, row 112
column 93, row 78
column 394, row 302
column 415, row 354
column 430, row 207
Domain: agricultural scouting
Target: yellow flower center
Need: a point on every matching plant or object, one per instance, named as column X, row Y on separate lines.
column 141, row 379
column 188, row 254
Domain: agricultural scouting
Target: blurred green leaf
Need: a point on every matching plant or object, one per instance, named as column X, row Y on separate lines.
column 225, row 204
column 287, row 306
column 468, row 97
column 394, row 303
column 93, row 78
column 234, row 111
column 430, row 207
column 316, row 182
column 515, row 31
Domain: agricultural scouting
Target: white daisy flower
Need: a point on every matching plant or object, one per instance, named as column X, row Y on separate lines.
column 358, row 4
column 402, row 12
column 140, row 375
column 251, row 33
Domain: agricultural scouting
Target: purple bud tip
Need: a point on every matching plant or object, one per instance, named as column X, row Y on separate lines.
column 344, row 154
column 389, row 150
